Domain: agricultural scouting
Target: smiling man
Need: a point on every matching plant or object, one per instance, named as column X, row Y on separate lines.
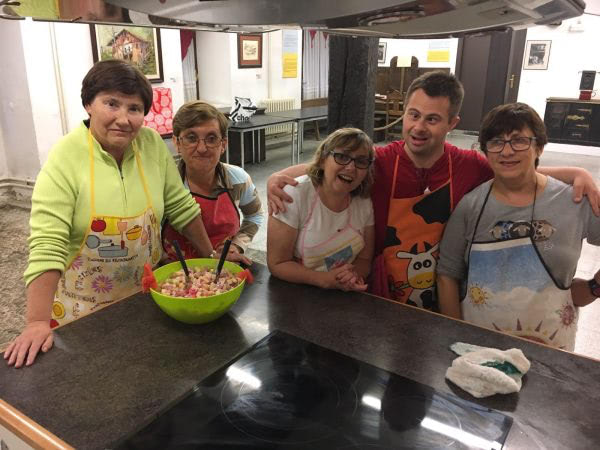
column 418, row 183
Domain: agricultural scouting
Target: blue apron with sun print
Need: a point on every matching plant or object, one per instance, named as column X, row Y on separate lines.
column 509, row 289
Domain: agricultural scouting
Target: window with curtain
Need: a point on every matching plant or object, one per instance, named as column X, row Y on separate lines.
column 315, row 65
column 188, row 63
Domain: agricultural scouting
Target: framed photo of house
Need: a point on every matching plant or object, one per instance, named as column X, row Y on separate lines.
column 249, row 51
column 537, row 54
column 138, row 45
column 381, row 52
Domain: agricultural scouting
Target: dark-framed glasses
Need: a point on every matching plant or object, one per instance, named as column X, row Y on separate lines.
column 190, row 141
column 343, row 159
column 518, row 144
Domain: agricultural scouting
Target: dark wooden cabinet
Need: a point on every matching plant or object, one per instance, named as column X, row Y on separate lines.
column 572, row 121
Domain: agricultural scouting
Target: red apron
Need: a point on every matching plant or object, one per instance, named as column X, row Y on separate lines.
column 221, row 219
column 405, row 271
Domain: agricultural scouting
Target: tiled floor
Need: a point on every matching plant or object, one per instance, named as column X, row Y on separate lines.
column 588, row 335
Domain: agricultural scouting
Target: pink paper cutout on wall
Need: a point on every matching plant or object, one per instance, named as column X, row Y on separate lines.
column 160, row 116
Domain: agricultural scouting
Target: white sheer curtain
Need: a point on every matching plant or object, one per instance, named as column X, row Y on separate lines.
column 315, row 65
column 188, row 64
column 189, row 75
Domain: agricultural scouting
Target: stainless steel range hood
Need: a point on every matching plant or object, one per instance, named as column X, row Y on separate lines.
column 384, row 18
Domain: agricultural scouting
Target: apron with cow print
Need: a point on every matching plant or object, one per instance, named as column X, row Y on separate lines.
column 509, row 287
column 414, row 229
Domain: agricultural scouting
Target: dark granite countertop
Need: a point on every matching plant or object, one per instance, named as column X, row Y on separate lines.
column 111, row 372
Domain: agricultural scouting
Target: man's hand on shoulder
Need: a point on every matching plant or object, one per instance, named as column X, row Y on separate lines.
column 584, row 185
column 276, row 196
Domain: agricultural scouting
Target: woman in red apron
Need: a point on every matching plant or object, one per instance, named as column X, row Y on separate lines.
column 199, row 134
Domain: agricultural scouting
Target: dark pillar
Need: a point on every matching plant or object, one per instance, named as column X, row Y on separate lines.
column 352, row 72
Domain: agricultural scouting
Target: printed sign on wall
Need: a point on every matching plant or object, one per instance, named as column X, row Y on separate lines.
column 290, row 54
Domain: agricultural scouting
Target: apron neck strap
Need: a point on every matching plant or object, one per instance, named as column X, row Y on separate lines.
column 91, row 157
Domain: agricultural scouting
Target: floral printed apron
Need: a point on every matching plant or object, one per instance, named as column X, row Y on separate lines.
column 110, row 262
column 340, row 247
column 414, row 229
column 510, row 289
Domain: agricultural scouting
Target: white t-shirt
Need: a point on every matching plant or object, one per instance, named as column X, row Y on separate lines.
column 324, row 222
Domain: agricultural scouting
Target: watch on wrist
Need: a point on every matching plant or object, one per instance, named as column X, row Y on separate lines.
column 594, row 287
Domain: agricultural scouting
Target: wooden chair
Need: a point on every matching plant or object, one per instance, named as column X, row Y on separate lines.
column 315, row 102
column 394, row 113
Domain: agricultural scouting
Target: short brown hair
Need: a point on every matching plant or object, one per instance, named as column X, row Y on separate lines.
column 348, row 139
column 440, row 84
column 116, row 75
column 505, row 119
column 197, row 112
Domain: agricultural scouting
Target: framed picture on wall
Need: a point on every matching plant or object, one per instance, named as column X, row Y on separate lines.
column 138, row 45
column 381, row 52
column 249, row 51
column 537, row 54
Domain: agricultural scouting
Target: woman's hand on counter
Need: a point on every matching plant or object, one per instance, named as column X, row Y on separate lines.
column 343, row 277
column 234, row 255
column 36, row 336
column 350, row 280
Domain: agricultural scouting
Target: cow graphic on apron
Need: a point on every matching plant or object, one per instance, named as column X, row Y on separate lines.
column 414, row 229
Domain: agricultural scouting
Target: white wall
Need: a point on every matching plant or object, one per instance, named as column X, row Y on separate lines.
column 419, row 48
column 250, row 82
column 570, row 53
column 221, row 80
column 75, row 59
column 214, row 71
column 283, row 87
column 42, row 83
column 18, row 134
column 172, row 68
column 3, row 163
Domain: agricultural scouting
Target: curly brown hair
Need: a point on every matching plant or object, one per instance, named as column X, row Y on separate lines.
column 349, row 140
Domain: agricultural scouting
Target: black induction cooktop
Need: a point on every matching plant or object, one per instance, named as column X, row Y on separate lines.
column 288, row 393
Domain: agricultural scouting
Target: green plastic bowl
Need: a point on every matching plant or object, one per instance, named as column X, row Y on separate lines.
column 196, row 310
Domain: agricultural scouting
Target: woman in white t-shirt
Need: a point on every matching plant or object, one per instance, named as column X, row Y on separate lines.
column 326, row 236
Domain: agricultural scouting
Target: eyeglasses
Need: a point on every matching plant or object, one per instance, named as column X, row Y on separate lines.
column 518, row 144
column 343, row 159
column 190, row 141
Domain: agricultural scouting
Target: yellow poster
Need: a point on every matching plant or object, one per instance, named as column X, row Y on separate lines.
column 290, row 65
column 289, row 54
column 438, row 55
